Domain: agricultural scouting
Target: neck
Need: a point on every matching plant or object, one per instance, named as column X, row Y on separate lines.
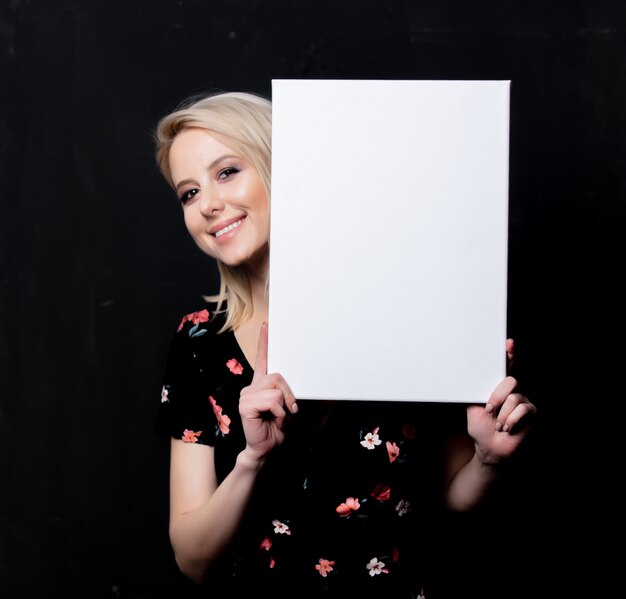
column 258, row 289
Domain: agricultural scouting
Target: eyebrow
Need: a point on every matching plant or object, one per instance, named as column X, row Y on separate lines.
column 210, row 167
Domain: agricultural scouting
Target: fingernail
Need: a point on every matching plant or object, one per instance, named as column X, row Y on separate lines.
column 294, row 408
column 488, row 408
column 498, row 426
column 505, row 428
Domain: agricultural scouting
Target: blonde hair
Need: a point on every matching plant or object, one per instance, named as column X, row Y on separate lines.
column 246, row 120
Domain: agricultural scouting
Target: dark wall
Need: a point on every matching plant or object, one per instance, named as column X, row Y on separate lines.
column 96, row 268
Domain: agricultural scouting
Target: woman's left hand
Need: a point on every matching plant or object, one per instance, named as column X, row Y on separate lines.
column 500, row 426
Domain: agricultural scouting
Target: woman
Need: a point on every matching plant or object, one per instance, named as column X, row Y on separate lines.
column 337, row 495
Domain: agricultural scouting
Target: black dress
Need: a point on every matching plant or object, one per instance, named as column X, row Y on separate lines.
column 347, row 505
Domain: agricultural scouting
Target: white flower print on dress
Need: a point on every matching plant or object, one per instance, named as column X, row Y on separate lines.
column 280, row 528
column 371, row 439
column 403, row 507
column 375, row 567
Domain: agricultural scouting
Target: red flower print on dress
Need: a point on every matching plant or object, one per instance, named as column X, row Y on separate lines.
column 223, row 421
column 266, row 544
column 409, row 430
column 281, row 528
column 371, row 439
column 375, row 567
column 195, row 318
column 190, row 436
column 393, row 451
column 325, row 566
column 350, row 505
column 234, row 366
column 381, row 492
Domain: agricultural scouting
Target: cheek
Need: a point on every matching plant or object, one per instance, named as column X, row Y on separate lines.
column 188, row 220
column 252, row 192
column 243, row 194
column 192, row 222
column 262, row 203
column 266, row 218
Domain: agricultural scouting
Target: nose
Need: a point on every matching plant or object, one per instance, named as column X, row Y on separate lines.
column 210, row 202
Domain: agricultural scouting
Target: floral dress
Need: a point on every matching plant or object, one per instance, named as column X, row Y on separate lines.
column 351, row 498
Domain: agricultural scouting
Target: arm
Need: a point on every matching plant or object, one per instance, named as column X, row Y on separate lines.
column 496, row 430
column 205, row 516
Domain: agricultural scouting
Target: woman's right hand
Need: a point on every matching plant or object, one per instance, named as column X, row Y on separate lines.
column 264, row 406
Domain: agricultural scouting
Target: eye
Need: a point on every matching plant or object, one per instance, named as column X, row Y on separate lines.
column 227, row 172
column 185, row 197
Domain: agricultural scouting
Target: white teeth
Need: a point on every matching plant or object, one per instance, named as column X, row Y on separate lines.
column 228, row 228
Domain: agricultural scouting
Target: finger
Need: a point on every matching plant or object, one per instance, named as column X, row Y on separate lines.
column 500, row 393
column 265, row 402
column 260, row 366
column 272, row 382
column 288, row 396
column 510, row 403
column 510, row 348
column 276, row 381
column 520, row 414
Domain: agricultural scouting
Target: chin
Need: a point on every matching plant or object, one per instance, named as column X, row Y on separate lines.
column 234, row 262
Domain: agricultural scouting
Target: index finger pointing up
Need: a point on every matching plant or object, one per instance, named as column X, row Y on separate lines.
column 260, row 366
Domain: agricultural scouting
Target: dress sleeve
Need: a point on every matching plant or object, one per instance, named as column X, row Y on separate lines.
column 185, row 411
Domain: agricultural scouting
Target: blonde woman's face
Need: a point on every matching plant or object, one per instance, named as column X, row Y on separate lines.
column 225, row 204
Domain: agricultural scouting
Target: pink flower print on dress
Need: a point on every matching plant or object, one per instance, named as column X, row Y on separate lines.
column 272, row 563
column 393, row 451
column 195, row 318
column 375, row 567
column 190, row 436
column 281, row 528
column 381, row 492
column 266, row 544
column 234, row 366
column 223, row 421
column 325, row 566
column 164, row 395
column 371, row 439
column 350, row 505
column 403, row 507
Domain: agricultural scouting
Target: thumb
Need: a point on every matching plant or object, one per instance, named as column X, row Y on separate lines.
column 510, row 354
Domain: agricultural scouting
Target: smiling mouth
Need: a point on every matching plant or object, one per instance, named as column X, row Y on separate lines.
column 230, row 227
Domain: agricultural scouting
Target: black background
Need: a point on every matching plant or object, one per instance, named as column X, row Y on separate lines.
column 96, row 267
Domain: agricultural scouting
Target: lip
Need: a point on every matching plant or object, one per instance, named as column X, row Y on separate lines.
column 224, row 224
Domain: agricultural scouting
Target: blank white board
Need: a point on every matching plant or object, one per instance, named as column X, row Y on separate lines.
column 388, row 240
